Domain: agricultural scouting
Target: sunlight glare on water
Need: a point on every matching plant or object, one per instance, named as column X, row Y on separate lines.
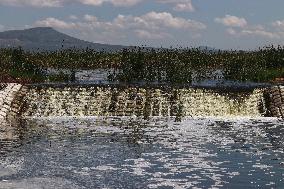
column 131, row 152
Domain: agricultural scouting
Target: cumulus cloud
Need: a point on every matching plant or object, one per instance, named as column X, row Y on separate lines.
column 184, row 7
column 56, row 23
column 151, row 21
column 58, row 3
column 239, row 27
column 90, row 18
column 260, row 33
column 232, row 21
column 34, row 3
column 231, row 31
column 2, row 27
column 123, row 3
column 255, row 31
column 144, row 34
column 73, row 17
column 165, row 19
column 153, row 25
column 178, row 5
column 279, row 25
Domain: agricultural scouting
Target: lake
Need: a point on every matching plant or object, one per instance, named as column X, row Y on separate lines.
column 132, row 152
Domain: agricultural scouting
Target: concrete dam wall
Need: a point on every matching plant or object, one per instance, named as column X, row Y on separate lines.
column 94, row 100
column 140, row 101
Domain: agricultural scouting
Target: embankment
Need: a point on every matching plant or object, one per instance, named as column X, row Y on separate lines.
column 10, row 100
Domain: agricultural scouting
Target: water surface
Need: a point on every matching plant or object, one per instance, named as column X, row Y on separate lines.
column 131, row 152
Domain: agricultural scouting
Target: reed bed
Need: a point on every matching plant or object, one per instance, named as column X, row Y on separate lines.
column 147, row 65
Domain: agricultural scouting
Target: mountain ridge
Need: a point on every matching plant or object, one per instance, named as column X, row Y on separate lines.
column 48, row 39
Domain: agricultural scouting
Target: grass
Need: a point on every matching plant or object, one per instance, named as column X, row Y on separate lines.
column 148, row 65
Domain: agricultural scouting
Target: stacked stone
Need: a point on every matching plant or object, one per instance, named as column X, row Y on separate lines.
column 17, row 102
column 7, row 96
column 2, row 86
column 276, row 101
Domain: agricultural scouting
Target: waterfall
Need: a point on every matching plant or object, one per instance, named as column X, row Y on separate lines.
column 141, row 101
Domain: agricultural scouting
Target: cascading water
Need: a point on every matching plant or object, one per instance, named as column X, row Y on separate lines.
column 110, row 150
column 137, row 101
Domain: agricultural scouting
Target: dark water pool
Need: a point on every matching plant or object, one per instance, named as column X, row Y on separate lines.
column 123, row 152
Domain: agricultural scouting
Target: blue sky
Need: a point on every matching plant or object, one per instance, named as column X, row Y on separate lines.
column 225, row 24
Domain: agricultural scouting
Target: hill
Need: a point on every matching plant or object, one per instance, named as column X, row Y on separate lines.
column 48, row 39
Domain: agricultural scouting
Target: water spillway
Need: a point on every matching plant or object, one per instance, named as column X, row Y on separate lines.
column 156, row 152
column 55, row 101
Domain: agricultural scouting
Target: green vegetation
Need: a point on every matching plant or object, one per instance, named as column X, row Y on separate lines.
column 21, row 66
column 148, row 65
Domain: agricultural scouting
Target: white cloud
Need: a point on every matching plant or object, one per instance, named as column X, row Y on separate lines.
column 53, row 22
column 232, row 21
column 90, row 18
column 34, row 3
column 279, row 25
column 58, row 3
column 260, row 33
column 231, row 31
column 184, row 7
column 2, row 27
column 165, row 19
column 238, row 27
column 73, row 17
column 255, row 31
column 123, row 3
column 149, row 21
column 152, row 25
column 144, row 34
column 273, row 31
column 92, row 2
column 178, row 5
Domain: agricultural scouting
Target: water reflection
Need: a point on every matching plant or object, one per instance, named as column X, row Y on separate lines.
column 131, row 152
column 11, row 135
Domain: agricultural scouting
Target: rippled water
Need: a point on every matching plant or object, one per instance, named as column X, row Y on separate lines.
column 124, row 152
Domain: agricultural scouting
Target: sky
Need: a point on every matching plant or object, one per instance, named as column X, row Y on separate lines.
column 223, row 24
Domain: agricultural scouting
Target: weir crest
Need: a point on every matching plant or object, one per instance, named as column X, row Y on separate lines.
column 100, row 100
column 145, row 101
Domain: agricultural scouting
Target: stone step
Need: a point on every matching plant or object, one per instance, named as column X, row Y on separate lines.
column 7, row 97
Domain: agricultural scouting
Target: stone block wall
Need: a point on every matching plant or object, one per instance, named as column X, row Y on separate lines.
column 275, row 101
column 7, row 95
column 38, row 101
